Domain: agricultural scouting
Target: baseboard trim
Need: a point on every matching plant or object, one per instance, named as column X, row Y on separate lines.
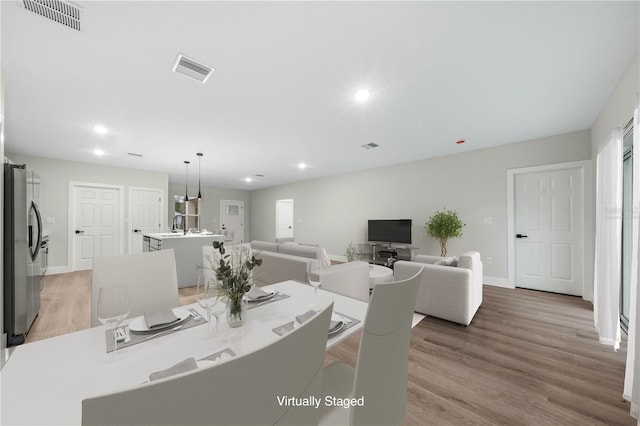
column 497, row 282
column 53, row 270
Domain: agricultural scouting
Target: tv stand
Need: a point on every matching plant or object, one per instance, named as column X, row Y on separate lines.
column 385, row 253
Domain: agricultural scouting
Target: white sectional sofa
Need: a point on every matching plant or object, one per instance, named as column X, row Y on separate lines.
column 451, row 292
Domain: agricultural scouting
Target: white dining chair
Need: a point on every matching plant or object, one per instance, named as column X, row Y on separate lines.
column 349, row 279
column 380, row 375
column 150, row 277
column 241, row 391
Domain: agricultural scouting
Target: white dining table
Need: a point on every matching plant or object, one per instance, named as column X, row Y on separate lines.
column 44, row 382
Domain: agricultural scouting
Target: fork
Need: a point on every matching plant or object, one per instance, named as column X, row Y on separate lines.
column 120, row 336
column 196, row 316
column 344, row 318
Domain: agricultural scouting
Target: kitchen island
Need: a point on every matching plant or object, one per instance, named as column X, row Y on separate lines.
column 188, row 251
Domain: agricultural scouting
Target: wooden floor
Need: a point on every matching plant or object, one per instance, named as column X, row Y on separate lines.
column 528, row 358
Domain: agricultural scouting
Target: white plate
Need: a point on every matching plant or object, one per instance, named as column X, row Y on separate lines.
column 139, row 324
column 269, row 295
column 336, row 328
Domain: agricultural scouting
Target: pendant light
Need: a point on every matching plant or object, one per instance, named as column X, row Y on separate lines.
column 199, row 154
column 186, row 189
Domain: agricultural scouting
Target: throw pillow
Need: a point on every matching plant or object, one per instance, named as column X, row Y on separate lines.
column 447, row 261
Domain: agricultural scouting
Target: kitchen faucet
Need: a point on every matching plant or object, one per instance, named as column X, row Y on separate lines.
column 174, row 224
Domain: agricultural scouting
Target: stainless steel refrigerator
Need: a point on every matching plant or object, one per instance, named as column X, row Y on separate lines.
column 22, row 240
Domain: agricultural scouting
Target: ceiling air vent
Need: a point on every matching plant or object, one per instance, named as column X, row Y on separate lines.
column 370, row 145
column 192, row 69
column 62, row 12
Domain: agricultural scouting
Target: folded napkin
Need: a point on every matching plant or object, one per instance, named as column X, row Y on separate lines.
column 335, row 322
column 222, row 355
column 306, row 316
column 181, row 367
column 284, row 329
column 257, row 293
column 159, row 318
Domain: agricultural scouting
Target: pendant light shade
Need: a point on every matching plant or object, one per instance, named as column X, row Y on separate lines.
column 199, row 154
column 186, row 188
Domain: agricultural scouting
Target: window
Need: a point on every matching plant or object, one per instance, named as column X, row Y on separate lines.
column 627, row 214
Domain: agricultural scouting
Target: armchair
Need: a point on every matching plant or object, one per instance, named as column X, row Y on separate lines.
column 453, row 293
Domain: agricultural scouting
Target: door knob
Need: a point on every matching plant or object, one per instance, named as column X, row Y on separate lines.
column 137, row 230
column 79, row 231
column 521, row 236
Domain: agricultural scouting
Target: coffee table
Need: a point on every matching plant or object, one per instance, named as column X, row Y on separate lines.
column 379, row 274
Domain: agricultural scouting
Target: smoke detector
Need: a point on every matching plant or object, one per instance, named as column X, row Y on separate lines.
column 60, row 11
column 192, row 68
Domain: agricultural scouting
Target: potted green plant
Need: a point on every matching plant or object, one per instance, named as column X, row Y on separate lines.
column 443, row 225
column 351, row 253
column 233, row 272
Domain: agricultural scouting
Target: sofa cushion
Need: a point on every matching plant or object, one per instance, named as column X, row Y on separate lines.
column 264, row 245
column 298, row 250
column 447, row 261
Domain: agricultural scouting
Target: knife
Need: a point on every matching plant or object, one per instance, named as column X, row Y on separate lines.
column 178, row 327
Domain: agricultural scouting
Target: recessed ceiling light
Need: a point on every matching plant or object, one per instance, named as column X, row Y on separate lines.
column 362, row 95
column 101, row 130
column 247, row 179
column 98, row 152
column 302, row 166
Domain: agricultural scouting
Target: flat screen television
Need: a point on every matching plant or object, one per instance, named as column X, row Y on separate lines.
column 390, row 231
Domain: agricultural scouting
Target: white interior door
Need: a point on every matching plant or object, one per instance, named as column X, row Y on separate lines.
column 549, row 231
column 232, row 219
column 96, row 224
column 284, row 219
column 145, row 215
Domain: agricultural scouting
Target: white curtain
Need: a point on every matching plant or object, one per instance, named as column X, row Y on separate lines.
column 632, row 376
column 606, row 286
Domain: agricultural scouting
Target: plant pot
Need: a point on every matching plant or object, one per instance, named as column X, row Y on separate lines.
column 236, row 310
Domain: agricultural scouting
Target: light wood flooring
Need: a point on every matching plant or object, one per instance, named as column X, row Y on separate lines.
column 528, row 358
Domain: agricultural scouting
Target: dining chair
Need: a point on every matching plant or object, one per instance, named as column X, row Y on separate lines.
column 246, row 390
column 349, row 279
column 150, row 277
column 380, row 375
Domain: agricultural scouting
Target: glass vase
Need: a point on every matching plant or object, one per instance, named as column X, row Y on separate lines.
column 236, row 310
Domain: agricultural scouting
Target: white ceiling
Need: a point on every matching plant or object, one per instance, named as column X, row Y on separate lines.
column 489, row 73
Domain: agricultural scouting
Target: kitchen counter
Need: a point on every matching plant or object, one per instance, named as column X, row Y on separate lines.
column 172, row 235
column 187, row 249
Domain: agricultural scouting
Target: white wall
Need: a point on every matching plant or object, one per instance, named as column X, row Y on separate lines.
column 56, row 175
column 619, row 107
column 333, row 211
column 210, row 205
